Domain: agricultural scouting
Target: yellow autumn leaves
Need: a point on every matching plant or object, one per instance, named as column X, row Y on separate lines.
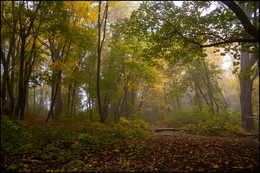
column 58, row 65
column 82, row 12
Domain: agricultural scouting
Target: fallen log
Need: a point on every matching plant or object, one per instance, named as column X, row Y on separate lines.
column 167, row 129
column 31, row 160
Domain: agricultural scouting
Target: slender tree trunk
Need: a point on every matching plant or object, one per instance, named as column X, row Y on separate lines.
column 116, row 113
column 224, row 102
column 208, row 84
column 198, row 98
column 132, row 100
column 34, row 108
column 98, row 66
column 58, row 104
column 3, row 89
column 69, row 95
column 53, row 96
column 100, row 44
column 52, row 105
column 41, row 99
column 195, row 82
column 122, row 106
column 92, row 108
column 126, row 102
column 73, row 97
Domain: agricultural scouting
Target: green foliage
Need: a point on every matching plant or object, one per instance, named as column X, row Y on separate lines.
column 225, row 123
column 204, row 122
column 20, row 140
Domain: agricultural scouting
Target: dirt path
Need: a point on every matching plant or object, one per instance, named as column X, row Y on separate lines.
column 207, row 153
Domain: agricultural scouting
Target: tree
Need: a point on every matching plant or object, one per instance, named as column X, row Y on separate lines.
column 101, row 109
column 29, row 25
column 180, row 34
column 246, row 89
column 244, row 19
column 62, row 44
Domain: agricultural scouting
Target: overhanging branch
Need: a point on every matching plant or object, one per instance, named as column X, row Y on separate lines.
column 208, row 45
column 231, row 41
column 249, row 27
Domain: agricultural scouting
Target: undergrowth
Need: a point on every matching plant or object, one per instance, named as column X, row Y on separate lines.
column 225, row 123
column 61, row 144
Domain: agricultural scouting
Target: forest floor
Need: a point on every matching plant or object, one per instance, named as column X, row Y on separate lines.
column 180, row 152
column 164, row 152
column 176, row 152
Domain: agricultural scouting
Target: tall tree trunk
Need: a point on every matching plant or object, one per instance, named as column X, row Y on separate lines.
column 246, row 88
column 21, row 93
column 10, row 85
column 25, row 32
column 100, row 44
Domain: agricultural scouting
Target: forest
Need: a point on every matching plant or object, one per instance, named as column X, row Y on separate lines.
column 129, row 86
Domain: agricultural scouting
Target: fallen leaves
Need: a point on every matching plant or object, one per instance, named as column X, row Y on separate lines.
column 177, row 152
column 215, row 166
column 178, row 156
column 116, row 150
column 175, row 170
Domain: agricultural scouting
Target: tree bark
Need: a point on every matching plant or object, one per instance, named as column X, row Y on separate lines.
column 21, row 93
column 246, row 88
